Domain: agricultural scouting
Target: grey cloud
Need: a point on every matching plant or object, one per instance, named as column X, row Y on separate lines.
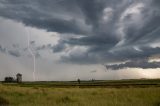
column 38, row 55
column 41, row 47
column 135, row 64
column 58, row 25
column 128, row 53
column 58, row 48
column 105, row 38
column 91, row 40
column 94, row 71
column 135, row 35
column 2, row 49
column 32, row 42
column 33, row 13
column 110, row 40
column 15, row 45
column 92, row 9
column 14, row 53
column 99, row 55
column 79, row 58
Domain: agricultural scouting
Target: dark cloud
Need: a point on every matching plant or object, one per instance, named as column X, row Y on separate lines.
column 14, row 53
column 32, row 42
column 15, row 45
column 151, row 25
column 59, row 47
column 130, row 53
column 79, row 58
column 102, row 43
column 91, row 40
column 135, row 64
column 45, row 15
column 92, row 10
column 41, row 47
column 103, row 31
column 58, row 25
column 2, row 49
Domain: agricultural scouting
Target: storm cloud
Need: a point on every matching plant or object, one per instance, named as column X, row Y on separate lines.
column 135, row 64
column 94, row 31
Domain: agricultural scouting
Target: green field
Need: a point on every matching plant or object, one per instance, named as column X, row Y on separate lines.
column 87, row 93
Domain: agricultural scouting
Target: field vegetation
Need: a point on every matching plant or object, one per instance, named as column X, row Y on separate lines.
column 74, row 94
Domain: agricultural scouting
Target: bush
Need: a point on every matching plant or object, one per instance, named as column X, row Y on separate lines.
column 3, row 102
column 64, row 99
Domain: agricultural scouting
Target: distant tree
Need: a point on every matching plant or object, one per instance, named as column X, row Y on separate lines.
column 93, row 80
column 9, row 79
column 79, row 81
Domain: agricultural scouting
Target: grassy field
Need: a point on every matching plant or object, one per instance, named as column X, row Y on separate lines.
column 98, row 93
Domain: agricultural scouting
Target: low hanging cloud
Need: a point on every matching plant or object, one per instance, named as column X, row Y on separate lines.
column 94, row 31
column 2, row 49
column 15, row 53
column 144, row 64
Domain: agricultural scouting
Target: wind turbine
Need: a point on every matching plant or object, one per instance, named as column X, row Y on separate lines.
column 30, row 49
column 104, row 67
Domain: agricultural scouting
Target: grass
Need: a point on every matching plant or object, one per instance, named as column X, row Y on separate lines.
column 90, row 84
column 97, row 93
column 18, row 95
column 3, row 101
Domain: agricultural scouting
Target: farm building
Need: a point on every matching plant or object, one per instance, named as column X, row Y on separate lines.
column 19, row 78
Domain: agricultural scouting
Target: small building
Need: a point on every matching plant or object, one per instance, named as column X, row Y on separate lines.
column 19, row 78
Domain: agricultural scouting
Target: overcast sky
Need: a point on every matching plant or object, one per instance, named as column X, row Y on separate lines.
column 99, row 39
